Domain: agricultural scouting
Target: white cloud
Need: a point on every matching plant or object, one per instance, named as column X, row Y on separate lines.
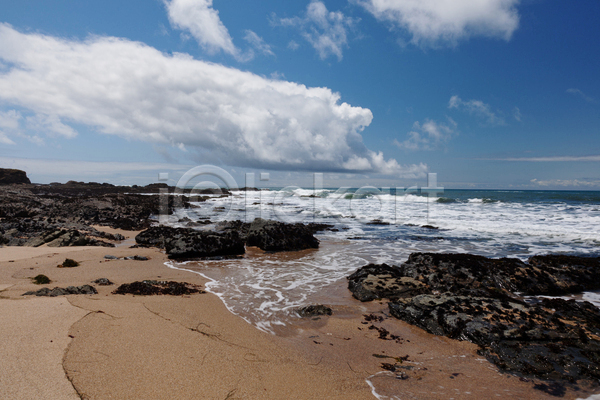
column 202, row 21
column 132, row 90
column 258, row 43
column 50, row 124
column 476, row 107
column 434, row 22
column 579, row 93
column 551, row 159
column 9, row 124
column 292, row 45
column 325, row 30
column 517, row 114
column 574, row 183
column 429, row 135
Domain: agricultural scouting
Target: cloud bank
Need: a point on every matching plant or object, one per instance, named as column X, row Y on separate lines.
column 436, row 22
column 129, row 89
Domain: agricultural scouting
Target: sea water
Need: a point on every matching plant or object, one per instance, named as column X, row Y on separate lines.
column 384, row 226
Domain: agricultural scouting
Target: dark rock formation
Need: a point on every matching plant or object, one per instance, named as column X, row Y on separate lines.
column 552, row 340
column 278, row 236
column 85, row 289
column 468, row 297
column 148, row 288
column 41, row 280
column 314, row 311
column 566, row 274
column 38, row 210
column 103, row 282
column 189, row 243
column 382, row 281
column 544, row 275
column 13, row 176
column 69, row 263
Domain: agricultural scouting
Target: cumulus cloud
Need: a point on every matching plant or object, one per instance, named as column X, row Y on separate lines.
column 579, row 93
column 325, row 30
column 258, row 43
column 129, row 89
column 435, row 22
column 429, row 135
column 201, row 20
column 478, row 108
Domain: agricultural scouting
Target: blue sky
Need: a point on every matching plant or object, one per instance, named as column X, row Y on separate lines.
column 486, row 93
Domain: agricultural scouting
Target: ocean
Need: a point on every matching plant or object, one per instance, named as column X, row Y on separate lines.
column 383, row 226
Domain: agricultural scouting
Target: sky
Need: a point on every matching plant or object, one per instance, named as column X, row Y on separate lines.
column 488, row 94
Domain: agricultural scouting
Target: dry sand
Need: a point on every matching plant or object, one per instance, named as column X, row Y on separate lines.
column 109, row 346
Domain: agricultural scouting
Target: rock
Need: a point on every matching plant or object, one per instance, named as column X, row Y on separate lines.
column 137, row 258
column 148, row 288
column 555, row 340
column 103, row 282
column 85, row 289
column 382, row 281
column 378, row 222
column 41, row 280
column 189, row 243
column 277, row 236
column 566, row 274
column 72, row 238
column 69, row 263
column 12, row 176
column 155, row 236
column 314, row 310
column 468, row 297
column 109, row 257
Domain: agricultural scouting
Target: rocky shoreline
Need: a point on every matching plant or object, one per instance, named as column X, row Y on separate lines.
column 474, row 298
column 459, row 296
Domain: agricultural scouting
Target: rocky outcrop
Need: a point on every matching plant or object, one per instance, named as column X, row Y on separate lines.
column 278, row 236
column 149, row 288
column 543, row 275
column 85, row 289
column 556, row 339
column 81, row 205
column 474, row 298
column 189, row 243
column 229, row 237
column 13, row 176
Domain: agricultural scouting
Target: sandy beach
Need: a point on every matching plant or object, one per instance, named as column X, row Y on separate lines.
column 108, row 346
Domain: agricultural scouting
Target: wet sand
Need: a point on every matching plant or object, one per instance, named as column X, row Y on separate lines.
column 109, row 346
